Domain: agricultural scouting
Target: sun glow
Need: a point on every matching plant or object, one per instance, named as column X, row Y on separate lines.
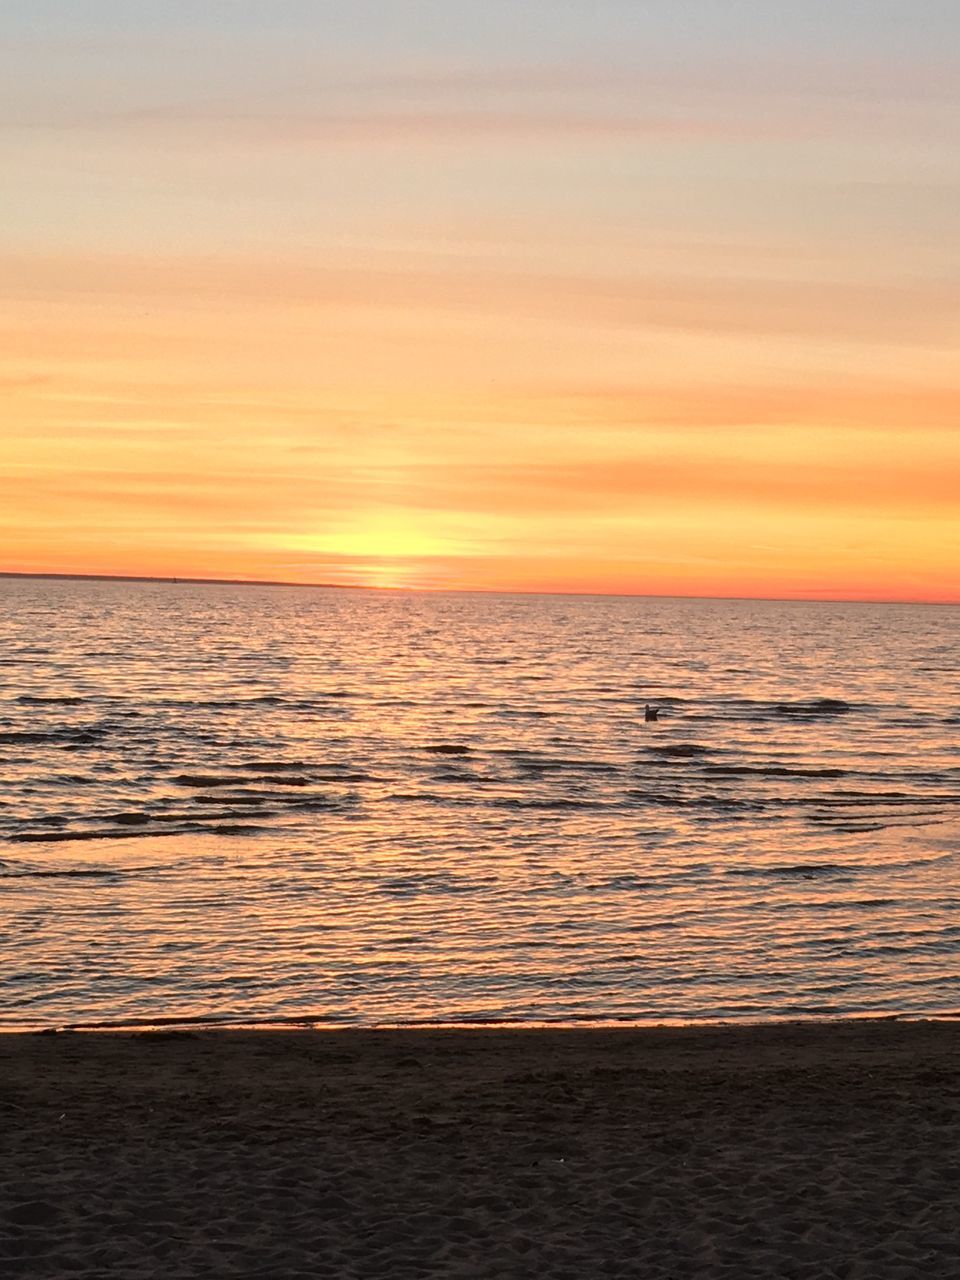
column 621, row 316
column 376, row 537
column 374, row 550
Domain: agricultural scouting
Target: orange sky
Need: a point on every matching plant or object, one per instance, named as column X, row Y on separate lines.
column 619, row 305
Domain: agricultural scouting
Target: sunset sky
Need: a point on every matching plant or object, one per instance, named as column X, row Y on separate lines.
column 654, row 296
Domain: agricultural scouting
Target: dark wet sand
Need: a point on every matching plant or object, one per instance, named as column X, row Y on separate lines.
column 794, row 1151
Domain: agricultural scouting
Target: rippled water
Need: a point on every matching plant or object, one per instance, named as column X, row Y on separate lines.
column 255, row 803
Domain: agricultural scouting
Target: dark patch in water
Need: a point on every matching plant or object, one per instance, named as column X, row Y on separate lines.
column 49, row 837
column 770, row 771
column 203, row 780
column 659, row 797
column 680, row 750
column 267, row 699
column 36, row 700
column 556, row 764
column 57, row 737
column 74, row 874
column 447, row 749
column 346, row 777
column 514, row 802
column 813, row 707
column 799, row 870
column 282, row 780
column 274, row 766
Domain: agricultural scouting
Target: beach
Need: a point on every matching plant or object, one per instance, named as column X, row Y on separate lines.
column 795, row 1150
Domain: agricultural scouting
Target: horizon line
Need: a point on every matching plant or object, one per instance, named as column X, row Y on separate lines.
column 171, row 580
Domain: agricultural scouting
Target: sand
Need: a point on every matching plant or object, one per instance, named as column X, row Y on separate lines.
column 794, row 1151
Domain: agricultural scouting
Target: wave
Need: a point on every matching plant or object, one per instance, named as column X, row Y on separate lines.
column 36, row 700
column 64, row 837
column 275, row 766
column 523, row 713
column 547, row 764
column 109, row 833
column 813, row 707
column 202, row 781
column 801, row 870
column 770, row 771
column 70, row 873
column 57, row 737
column 712, row 711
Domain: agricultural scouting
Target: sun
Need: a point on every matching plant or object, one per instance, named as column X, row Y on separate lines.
column 376, row 550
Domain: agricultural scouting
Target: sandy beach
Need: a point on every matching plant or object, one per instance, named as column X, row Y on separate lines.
column 813, row 1151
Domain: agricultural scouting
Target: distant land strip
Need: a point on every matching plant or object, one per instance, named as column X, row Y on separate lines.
column 470, row 591
column 200, row 582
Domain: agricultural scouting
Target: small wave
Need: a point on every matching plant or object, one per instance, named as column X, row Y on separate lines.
column 769, row 771
column 282, row 780
column 523, row 713
column 275, row 766
column 62, row 837
column 57, row 737
column 882, row 798
column 718, row 804
column 680, row 750
column 813, row 707
column 110, row 833
column 546, row 802
column 266, row 699
column 548, row 764
column 447, row 749
column 405, row 886
column 324, row 704
column 346, row 776
column 658, row 797
column 797, row 870
column 72, row 873
column 623, row 882
column 203, row 780
column 36, row 700
column 281, row 800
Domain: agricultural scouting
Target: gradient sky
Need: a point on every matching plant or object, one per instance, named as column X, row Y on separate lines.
column 630, row 295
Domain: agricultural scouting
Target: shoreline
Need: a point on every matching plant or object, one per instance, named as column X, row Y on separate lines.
column 296, row 1023
column 800, row 1149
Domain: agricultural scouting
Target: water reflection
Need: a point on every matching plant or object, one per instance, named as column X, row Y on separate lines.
column 367, row 807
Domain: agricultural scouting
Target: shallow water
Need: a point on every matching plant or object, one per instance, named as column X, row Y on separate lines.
column 255, row 803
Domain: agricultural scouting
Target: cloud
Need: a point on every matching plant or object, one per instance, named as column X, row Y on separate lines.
column 709, row 482
column 634, row 95
column 918, row 311
column 883, row 405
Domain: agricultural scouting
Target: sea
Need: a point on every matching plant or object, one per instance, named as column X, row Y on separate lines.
column 229, row 804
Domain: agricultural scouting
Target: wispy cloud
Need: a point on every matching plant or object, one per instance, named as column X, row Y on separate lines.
column 630, row 95
column 920, row 311
column 710, row 482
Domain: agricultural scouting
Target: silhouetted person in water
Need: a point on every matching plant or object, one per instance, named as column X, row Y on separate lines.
column 651, row 713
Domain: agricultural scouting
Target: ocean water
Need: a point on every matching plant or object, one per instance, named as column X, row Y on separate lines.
column 269, row 804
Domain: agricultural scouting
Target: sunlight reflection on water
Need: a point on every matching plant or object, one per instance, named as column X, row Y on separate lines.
column 363, row 807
